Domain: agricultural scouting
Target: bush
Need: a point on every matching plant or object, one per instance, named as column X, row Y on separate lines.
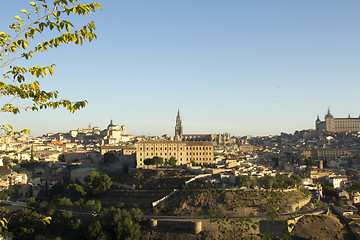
column 64, row 202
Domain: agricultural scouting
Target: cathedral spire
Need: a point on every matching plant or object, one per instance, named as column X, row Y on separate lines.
column 178, row 127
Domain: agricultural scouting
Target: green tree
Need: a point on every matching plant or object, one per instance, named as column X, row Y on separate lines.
column 6, row 160
column 118, row 224
column 93, row 205
column 75, row 191
column 56, row 189
column 154, row 161
column 110, row 157
column 158, row 160
column 95, row 231
column 32, row 202
column 172, row 161
column 66, row 215
column 149, row 161
column 97, row 183
column 242, row 181
column 64, row 202
column 26, row 224
column 18, row 85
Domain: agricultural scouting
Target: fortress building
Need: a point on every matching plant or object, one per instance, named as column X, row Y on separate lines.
column 332, row 124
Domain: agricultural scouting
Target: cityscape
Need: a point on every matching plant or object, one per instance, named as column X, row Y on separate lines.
column 319, row 168
column 186, row 120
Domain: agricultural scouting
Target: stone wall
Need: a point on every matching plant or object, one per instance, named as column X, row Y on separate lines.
column 193, row 227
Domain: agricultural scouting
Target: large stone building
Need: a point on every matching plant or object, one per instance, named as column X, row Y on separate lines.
column 332, row 124
column 184, row 152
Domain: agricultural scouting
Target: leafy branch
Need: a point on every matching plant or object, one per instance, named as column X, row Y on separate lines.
column 44, row 17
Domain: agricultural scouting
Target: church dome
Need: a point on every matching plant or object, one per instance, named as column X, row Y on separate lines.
column 111, row 124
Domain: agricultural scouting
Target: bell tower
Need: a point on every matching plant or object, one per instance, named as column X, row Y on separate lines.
column 178, row 127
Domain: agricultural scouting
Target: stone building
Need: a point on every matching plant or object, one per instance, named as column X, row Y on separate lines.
column 184, row 152
column 120, row 150
column 332, row 124
column 216, row 139
column 113, row 134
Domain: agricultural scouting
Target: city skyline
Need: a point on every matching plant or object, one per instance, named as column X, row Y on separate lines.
column 243, row 67
column 111, row 121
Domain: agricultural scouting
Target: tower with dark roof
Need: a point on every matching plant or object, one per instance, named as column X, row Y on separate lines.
column 178, row 127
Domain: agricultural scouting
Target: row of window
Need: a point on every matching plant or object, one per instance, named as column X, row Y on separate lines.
column 188, row 159
column 174, row 154
column 187, row 148
column 152, row 154
column 147, row 148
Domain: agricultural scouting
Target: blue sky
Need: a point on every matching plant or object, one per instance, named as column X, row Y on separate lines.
column 253, row 67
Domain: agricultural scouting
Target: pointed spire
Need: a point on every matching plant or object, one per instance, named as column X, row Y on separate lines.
column 349, row 116
column 178, row 127
column 328, row 113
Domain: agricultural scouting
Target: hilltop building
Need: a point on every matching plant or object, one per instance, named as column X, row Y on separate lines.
column 332, row 124
column 114, row 134
column 214, row 138
column 83, row 132
column 184, row 152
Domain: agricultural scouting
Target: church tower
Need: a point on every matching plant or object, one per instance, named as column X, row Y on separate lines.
column 178, row 127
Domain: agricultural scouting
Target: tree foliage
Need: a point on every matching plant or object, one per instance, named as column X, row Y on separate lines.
column 75, row 191
column 172, row 161
column 97, row 183
column 110, row 157
column 117, row 224
column 25, row 224
column 19, row 86
column 154, row 161
column 235, row 228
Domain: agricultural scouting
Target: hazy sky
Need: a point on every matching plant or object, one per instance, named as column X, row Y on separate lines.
column 243, row 67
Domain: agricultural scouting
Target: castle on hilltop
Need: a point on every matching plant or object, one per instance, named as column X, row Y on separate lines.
column 332, row 124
